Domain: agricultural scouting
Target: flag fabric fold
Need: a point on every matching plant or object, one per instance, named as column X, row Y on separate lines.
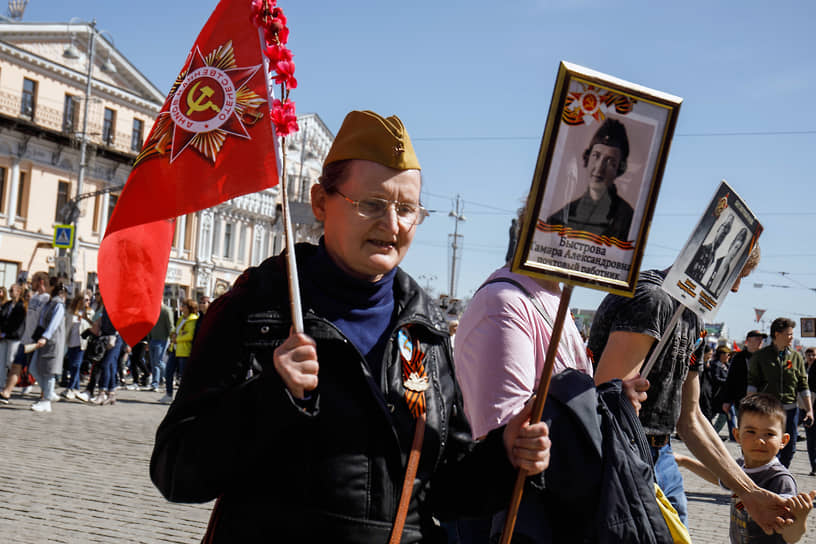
column 212, row 141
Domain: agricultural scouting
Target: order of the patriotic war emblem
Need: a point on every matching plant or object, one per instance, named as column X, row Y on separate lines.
column 209, row 102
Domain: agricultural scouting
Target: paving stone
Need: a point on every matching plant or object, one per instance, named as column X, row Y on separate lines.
column 79, row 475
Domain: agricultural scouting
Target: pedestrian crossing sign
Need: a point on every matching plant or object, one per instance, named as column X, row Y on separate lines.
column 63, row 236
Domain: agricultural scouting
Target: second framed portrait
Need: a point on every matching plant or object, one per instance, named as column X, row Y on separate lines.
column 596, row 180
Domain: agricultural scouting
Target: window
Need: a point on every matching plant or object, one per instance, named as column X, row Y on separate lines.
column 29, row 98
column 136, row 137
column 70, row 115
column 109, row 126
column 97, row 206
column 204, row 243
column 92, row 281
column 216, row 240
column 112, row 199
column 8, row 272
column 177, row 232
column 228, row 240
column 242, row 243
column 21, row 194
column 2, row 190
column 304, row 189
column 63, row 188
column 188, row 233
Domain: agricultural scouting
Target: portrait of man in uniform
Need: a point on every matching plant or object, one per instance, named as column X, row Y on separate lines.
column 600, row 210
column 725, row 264
column 704, row 257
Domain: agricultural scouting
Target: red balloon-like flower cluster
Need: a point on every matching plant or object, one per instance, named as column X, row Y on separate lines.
column 270, row 18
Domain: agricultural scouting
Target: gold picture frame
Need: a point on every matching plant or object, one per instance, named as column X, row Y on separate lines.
column 596, row 181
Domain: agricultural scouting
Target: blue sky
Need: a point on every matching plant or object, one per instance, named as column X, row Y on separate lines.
column 472, row 81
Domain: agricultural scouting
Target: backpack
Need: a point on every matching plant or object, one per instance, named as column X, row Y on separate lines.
column 96, row 348
column 599, row 486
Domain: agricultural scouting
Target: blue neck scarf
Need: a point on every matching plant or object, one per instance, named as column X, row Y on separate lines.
column 361, row 309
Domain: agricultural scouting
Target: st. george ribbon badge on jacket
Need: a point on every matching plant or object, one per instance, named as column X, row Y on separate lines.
column 415, row 378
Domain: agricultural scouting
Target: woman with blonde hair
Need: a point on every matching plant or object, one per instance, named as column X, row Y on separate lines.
column 181, row 345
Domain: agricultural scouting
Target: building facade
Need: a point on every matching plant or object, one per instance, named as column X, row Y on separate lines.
column 43, row 99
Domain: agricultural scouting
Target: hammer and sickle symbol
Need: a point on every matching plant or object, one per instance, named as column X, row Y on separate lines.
column 196, row 105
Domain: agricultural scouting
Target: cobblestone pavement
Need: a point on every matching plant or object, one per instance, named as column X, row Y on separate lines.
column 80, row 474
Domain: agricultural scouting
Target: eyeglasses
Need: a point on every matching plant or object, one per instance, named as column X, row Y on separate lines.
column 408, row 214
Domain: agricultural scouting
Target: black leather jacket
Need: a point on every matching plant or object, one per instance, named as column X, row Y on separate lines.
column 330, row 471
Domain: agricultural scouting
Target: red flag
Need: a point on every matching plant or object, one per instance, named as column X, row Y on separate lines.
column 213, row 140
column 736, row 347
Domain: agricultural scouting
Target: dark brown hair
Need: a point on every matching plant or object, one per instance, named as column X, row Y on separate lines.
column 780, row 324
column 762, row 403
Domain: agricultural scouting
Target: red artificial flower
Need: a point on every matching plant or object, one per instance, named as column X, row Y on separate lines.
column 284, row 117
column 275, row 29
column 283, row 35
column 277, row 53
column 278, row 18
column 261, row 10
column 285, row 73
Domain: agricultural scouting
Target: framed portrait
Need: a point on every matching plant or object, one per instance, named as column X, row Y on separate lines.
column 596, row 181
column 808, row 325
column 712, row 259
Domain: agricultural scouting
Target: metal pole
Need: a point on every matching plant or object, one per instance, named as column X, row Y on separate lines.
column 456, row 218
column 83, row 144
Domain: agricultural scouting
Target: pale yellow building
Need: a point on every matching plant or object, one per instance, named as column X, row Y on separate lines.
column 43, row 89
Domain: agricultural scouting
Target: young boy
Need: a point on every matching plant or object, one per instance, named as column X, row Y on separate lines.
column 761, row 434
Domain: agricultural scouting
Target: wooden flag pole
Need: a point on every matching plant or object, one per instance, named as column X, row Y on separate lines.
column 291, row 263
column 538, row 409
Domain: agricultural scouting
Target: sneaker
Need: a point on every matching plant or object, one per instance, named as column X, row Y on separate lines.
column 4, row 400
column 99, row 398
column 110, row 399
column 27, row 389
column 54, row 397
column 132, row 387
column 812, row 473
column 82, row 396
column 42, row 406
column 69, row 394
column 166, row 399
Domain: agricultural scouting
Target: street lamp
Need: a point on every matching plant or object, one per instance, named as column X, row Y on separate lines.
column 71, row 52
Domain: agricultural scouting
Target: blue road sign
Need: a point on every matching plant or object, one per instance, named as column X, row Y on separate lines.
column 63, row 236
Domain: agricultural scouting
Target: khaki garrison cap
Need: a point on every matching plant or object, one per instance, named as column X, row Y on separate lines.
column 369, row 136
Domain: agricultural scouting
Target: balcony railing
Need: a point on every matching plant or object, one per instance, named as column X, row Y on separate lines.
column 52, row 119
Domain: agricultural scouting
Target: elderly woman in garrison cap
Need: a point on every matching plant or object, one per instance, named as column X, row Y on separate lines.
column 308, row 437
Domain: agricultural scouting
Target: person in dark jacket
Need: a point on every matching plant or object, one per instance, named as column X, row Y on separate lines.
column 736, row 384
column 306, row 437
column 717, row 375
column 12, row 323
column 810, row 430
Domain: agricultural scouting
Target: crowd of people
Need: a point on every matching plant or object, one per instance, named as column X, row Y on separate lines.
column 50, row 338
column 366, row 422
